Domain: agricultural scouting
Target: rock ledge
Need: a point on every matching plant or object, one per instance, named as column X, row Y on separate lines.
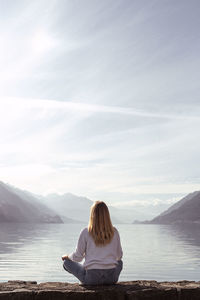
column 131, row 290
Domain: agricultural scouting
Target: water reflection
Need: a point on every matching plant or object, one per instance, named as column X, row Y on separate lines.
column 190, row 233
column 15, row 235
column 33, row 251
column 160, row 252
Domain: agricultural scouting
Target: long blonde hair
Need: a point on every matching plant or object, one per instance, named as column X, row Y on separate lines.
column 100, row 226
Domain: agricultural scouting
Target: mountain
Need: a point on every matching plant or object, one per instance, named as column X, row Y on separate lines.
column 22, row 207
column 179, row 203
column 17, row 205
column 138, row 212
column 77, row 207
column 69, row 205
column 185, row 210
column 127, row 214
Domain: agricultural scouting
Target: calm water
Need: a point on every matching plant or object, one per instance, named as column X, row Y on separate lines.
column 159, row 252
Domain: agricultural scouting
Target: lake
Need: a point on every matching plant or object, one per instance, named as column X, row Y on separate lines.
column 151, row 252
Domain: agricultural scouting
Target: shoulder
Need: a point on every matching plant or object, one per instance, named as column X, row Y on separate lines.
column 116, row 232
column 84, row 232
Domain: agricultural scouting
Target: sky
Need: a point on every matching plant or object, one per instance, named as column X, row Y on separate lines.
column 101, row 98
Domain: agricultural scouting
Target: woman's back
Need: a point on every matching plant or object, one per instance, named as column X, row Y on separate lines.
column 97, row 256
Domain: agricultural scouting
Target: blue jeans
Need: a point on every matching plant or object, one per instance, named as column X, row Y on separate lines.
column 93, row 276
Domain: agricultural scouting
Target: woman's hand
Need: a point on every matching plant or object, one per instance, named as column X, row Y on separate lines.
column 65, row 257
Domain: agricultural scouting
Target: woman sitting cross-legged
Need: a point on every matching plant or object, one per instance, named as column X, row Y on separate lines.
column 100, row 246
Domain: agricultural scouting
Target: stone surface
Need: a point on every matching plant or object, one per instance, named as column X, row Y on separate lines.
column 132, row 290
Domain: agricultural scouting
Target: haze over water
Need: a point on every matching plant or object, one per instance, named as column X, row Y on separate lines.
column 157, row 252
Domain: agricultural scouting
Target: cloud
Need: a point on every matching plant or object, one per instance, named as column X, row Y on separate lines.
column 146, row 203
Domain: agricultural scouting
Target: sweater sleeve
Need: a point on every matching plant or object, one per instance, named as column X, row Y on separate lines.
column 119, row 247
column 79, row 253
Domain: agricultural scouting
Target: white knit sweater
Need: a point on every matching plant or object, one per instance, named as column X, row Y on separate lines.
column 97, row 257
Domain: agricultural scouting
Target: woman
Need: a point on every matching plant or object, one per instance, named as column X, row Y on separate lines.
column 100, row 245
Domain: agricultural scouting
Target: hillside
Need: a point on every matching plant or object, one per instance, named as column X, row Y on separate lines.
column 185, row 210
column 20, row 206
column 77, row 207
column 69, row 205
column 17, row 205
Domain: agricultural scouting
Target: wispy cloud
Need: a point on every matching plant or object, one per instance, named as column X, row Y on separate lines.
column 47, row 105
